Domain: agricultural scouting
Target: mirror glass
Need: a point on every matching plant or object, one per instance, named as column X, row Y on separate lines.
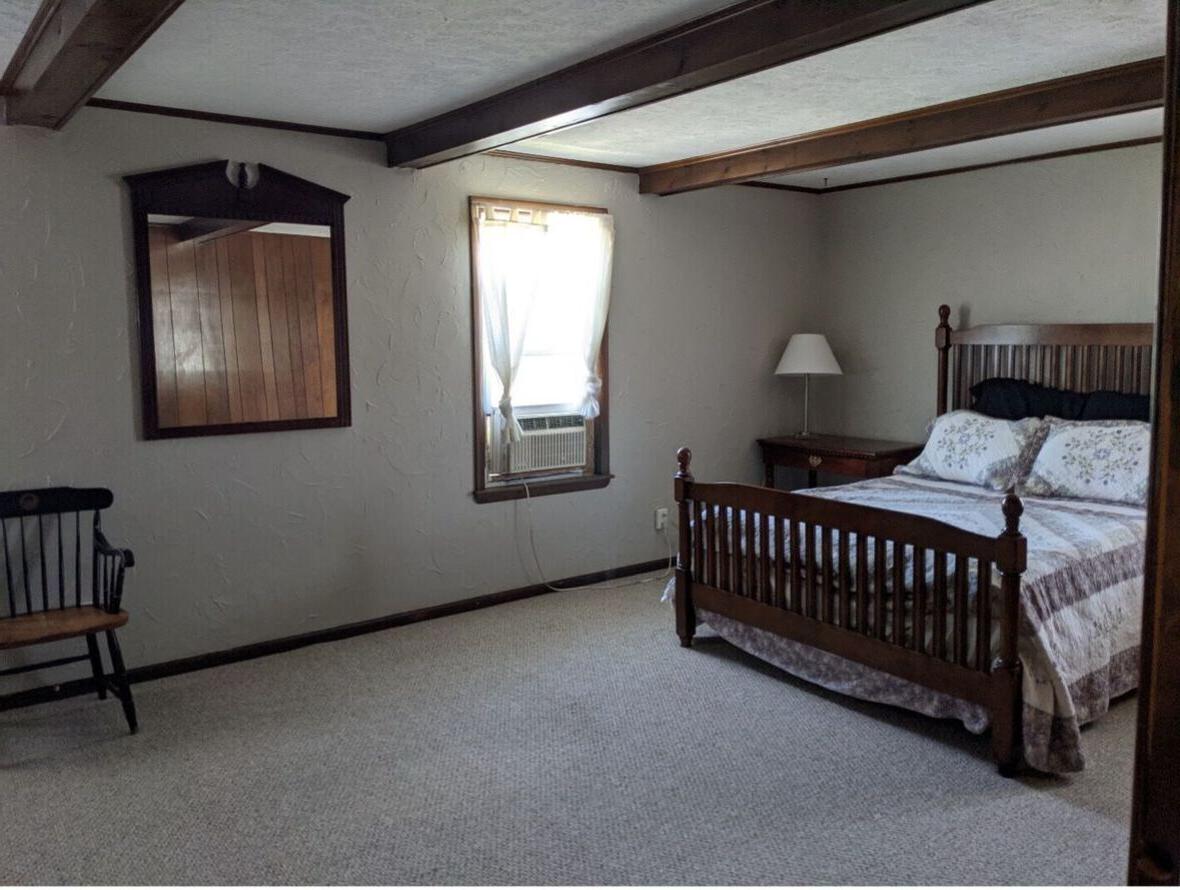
column 243, row 321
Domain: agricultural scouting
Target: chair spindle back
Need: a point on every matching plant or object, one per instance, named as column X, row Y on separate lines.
column 51, row 561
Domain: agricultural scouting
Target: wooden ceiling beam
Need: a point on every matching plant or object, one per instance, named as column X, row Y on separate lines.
column 735, row 41
column 69, row 51
column 1124, row 88
column 202, row 229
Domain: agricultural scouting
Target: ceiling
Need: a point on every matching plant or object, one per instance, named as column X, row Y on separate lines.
column 372, row 64
column 15, row 17
column 978, row 50
column 378, row 65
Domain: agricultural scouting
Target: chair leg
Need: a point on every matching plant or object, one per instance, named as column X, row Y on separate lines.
column 100, row 680
column 120, row 672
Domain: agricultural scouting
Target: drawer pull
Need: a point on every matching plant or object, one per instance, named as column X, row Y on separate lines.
column 814, row 461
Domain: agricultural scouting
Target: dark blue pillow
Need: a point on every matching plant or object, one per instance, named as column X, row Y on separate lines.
column 1010, row 399
column 1107, row 405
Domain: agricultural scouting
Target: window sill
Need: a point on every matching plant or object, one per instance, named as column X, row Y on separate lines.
column 540, row 488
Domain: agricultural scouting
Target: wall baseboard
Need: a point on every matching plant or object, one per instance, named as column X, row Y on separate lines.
column 71, row 688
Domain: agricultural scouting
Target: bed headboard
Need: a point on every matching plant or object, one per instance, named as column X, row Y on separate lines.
column 1080, row 357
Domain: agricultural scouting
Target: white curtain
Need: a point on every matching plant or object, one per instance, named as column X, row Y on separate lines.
column 580, row 247
column 544, row 293
column 508, row 275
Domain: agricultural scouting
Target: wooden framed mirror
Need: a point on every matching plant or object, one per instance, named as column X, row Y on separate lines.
column 242, row 309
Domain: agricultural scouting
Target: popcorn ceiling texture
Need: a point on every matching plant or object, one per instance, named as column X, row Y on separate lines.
column 992, row 46
column 373, row 64
column 252, row 537
column 15, row 16
column 1071, row 239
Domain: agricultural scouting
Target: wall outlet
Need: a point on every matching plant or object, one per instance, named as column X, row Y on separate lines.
column 661, row 518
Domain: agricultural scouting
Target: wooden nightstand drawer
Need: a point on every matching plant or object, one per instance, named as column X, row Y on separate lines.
column 837, row 455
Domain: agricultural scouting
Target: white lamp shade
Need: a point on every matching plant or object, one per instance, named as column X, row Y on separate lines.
column 808, row 354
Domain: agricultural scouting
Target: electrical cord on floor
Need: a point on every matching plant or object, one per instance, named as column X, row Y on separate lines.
column 528, row 506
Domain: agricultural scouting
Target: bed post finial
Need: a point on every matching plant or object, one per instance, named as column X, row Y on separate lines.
column 684, row 458
column 942, row 340
column 1013, row 510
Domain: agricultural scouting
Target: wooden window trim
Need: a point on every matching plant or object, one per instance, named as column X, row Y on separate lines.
column 507, row 491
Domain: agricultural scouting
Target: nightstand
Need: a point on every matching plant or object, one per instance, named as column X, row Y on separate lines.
column 842, row 455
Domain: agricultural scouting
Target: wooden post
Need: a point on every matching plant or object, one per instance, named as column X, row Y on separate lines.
column 1011, row 560
column 942, row 340
column 1155, row 818
column 686, row 619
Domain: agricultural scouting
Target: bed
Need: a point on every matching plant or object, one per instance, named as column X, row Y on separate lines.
column 1018, row 614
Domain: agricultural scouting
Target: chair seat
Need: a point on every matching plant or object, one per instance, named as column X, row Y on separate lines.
column 56, row 624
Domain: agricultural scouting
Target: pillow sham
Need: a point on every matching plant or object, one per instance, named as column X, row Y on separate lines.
column 1013, row 399
column 1106, row 405
column 1096, row 460
column 965, row 446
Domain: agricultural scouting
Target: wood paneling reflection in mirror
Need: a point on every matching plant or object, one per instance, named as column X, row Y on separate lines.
column 243, row 325
column 242, row 316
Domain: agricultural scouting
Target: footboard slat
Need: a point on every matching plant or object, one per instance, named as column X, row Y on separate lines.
column 809, row 597
column 898, row 593
column 940, row 605
column 711, row 541
column 962, row 567
column 796, row 567
column 736, row 552
column 843, row 619
column 723, row 545
column 751, row 555
column 920, row 604
column 879, row 587
column 700, row 514
column 780, row 550
column 983, row 623
column 862, row 582
column 825, row 589
column 766, row 591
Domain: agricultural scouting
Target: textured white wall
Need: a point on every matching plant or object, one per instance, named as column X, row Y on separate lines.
column 1071, row 239
column 246, row 538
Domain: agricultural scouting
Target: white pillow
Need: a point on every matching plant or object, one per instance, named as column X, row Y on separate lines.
column 965, row 446
column 1098, row 460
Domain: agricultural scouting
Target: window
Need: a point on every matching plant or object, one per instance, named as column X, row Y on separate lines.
column 540, row 295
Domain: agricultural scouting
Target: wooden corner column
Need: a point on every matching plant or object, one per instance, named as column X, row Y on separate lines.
column 1155, row 810
column 686, row 619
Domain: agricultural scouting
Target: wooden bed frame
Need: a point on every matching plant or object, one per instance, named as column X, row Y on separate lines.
column 818, row 605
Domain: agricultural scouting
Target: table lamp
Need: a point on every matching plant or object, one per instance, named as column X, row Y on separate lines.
column 807, row 354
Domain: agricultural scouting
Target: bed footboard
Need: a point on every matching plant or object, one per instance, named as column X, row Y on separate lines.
column 897, row 592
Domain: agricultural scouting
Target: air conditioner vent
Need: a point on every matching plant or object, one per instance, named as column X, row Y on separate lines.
column 555, row 442
column 553, row 422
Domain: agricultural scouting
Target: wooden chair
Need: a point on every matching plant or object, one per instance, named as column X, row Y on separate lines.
column 49, row 550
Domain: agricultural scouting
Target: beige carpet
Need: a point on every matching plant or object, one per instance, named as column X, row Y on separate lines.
column 564, row 739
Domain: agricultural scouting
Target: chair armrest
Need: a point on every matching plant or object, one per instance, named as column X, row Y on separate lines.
column 109, row 584
column 103, row 546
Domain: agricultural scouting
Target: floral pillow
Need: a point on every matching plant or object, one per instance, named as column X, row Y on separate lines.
column 1098, row 460
column 968, row 447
